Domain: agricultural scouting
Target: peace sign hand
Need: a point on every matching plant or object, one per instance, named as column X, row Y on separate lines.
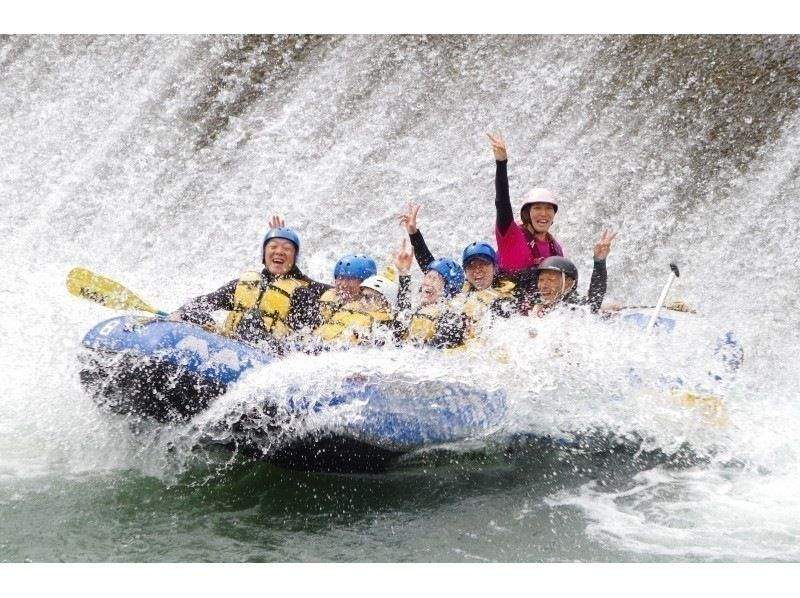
column 603, row 246
column 402, row 259
column 409, row 218
column 498, row 146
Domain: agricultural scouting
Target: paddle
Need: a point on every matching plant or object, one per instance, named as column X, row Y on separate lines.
column 710, row 405
column 672, row 276
column 94, row 287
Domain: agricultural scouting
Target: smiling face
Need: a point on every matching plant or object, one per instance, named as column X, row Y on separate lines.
column 550, row 286
column 279, row 256
column 347, row 288
column 479, row 273
column 372, row 300
column 432, row 287
column 541, row 216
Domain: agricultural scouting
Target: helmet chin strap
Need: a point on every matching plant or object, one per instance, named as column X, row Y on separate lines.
column 561, row 291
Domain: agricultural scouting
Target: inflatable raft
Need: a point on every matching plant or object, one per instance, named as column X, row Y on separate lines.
column 727, row 349
column 170, row 371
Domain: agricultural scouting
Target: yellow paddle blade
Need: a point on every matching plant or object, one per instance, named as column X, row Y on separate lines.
column 389, row 274
column 94, row 287
column 710, row 406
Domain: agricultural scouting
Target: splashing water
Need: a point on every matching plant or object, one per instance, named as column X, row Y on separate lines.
column 158, row 160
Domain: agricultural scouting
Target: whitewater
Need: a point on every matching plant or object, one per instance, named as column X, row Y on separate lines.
column 158, row 161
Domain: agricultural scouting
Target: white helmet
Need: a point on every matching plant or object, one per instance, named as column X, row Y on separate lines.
column 537, row 195
column 384, row 286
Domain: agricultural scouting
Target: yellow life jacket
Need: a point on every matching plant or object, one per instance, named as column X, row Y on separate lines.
column 502, row 289
column 477, row 304
column 272, row 299
column 329, row 304
column 351, row 323
column 423, row 323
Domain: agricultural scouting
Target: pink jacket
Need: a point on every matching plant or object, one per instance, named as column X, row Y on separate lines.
column 516, row 252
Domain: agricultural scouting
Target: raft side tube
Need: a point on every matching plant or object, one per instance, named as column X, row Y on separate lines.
column 161, row 369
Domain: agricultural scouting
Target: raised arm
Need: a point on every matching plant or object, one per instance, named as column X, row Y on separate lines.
column 603, row 246
column 502, row 200
column 402, row 261
column 598, row 283
column 409, row 221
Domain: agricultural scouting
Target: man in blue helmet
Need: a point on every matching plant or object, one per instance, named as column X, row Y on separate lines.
column 433, row 322
column 485, row 285
column 486, row 293
column 348, row 274
column 266, row 305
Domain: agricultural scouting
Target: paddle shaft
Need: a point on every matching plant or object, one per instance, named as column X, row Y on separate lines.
column 674, row 273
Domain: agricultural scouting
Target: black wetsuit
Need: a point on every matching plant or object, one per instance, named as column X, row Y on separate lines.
column 421, row 251
column 502, row 198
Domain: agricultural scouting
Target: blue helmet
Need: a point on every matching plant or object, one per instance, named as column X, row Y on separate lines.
column 355, row 266
column 479, row 249
column 282, row 233
column 451, row 272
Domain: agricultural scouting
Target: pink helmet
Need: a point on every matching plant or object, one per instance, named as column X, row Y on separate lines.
column 537, row 195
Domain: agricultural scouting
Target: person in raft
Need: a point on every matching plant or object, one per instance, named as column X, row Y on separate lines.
column 521, row 248
column 557, row 285
column 371, row 318
column 348, row 274
column 265, row 307
column 433, row 322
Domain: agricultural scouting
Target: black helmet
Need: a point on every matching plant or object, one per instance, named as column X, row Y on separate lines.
column 560, row 264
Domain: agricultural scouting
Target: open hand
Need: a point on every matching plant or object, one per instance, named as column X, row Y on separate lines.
column 610, row 308
column 603, row 246
column 498, row 146
column 409, row 218
column 402, row 259
column 276, row 222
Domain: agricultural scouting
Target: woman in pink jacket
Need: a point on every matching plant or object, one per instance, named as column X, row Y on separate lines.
column 521, row 248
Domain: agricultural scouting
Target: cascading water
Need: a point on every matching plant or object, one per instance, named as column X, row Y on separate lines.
column 158, row 161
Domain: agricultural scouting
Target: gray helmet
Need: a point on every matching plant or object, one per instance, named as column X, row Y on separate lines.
column 560, row 264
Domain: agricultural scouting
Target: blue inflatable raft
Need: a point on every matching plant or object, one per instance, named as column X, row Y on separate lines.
column 171, row 371
column 167, row 371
